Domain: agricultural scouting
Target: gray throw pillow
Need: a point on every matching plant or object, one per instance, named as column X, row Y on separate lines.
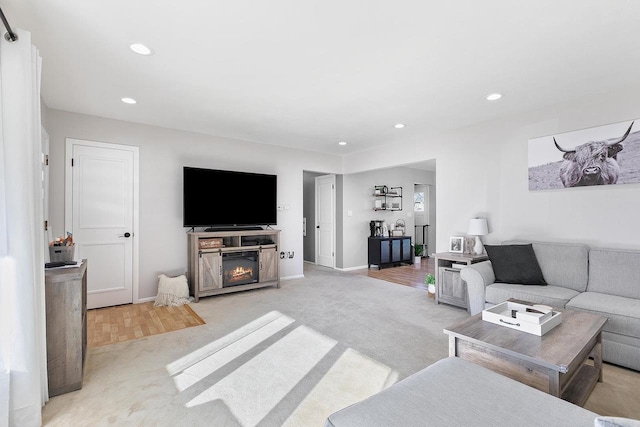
column 615, row 422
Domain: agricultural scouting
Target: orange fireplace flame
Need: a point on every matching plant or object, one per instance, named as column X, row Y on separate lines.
column 239, row 273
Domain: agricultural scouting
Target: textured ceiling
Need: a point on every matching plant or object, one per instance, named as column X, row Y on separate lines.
column 308, row 74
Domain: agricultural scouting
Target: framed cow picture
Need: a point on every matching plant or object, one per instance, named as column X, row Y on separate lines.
column 602, row 155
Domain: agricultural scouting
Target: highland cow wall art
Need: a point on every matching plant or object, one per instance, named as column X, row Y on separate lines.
column 602, row 155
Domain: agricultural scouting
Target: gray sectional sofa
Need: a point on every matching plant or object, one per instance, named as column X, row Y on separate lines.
column 456, row 392
column 601, row 281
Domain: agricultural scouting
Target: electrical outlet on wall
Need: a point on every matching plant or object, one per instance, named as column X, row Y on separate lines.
column 281, row 255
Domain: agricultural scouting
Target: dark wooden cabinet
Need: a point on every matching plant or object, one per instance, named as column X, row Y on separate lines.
column 389, row 251
column 66, row 311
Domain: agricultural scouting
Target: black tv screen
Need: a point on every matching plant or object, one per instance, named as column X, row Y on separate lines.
column 227, row 198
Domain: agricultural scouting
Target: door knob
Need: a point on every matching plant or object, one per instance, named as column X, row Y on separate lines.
column 317, row 226
column 127, row 235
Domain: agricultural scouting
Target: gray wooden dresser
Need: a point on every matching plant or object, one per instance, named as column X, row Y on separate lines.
column 450, row 288
column 66, row 308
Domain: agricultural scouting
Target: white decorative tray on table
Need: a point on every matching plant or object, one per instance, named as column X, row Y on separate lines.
column 523, row 316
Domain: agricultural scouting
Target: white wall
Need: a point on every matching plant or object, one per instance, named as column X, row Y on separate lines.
column 482, row 171
column 358, row 198
column 163, row 153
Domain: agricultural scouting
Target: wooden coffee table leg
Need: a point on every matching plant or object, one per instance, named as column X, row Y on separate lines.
column 597, row 357
column 554, row 383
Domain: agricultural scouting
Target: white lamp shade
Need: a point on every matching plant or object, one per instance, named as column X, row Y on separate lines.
column 478, row 227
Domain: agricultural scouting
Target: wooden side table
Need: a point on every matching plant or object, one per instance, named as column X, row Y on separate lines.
column 66, row 311
column 450, row 288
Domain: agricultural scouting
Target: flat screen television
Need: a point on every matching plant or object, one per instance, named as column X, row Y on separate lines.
column 219, row 198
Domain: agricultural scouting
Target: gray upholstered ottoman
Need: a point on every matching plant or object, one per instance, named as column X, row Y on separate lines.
column 455, row 392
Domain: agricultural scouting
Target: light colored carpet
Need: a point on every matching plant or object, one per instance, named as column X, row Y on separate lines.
column 271, row 357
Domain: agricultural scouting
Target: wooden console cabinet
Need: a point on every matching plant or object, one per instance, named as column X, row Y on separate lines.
column 206, row 259
column 389, row 251
column 66, row 313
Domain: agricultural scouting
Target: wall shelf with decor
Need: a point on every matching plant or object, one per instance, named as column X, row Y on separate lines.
column 387, row 198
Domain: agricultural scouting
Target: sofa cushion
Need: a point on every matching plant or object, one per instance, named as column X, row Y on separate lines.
column 554, row 296
column 614, row 272
column 623, row 313
column 515, row 264
column 621, row 350
column 456, row 392
column 562, row 264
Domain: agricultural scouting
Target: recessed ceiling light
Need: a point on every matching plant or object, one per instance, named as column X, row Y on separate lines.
column 128, row 100
column 494, row 97
column 399, row 126
column 140, row 49
column 342, row 143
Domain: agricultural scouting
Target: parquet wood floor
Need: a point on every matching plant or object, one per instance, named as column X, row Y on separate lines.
column 408, row 275
column 131, row 321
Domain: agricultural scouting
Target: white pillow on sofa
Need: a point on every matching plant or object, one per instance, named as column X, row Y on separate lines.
column 172, row 291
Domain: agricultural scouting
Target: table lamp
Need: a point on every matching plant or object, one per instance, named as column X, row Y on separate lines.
column 478, row 227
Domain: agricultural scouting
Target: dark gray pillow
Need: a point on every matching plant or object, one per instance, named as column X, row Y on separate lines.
column 515, row 264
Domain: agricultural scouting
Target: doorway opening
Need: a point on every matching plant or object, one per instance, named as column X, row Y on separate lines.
column 320, row 222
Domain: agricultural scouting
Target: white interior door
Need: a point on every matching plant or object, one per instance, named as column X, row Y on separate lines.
column 103, row 196
column 325, row 220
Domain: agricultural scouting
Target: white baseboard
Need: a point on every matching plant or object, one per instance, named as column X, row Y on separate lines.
column 360, row 267
column 143, row 300
column 309, row 262
column 298, row 276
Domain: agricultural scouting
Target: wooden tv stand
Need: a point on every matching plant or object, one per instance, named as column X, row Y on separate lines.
column 206, row 262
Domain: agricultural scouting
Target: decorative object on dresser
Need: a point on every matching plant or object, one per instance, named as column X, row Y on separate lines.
column 478, row 227
column 450, row 288
column 398, row 229
column 246, row 259
column 66, row 312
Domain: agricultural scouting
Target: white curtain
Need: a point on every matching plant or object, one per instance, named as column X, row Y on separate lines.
column 23, row 361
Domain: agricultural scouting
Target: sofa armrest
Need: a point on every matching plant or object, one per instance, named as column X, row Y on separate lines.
column 478, row 276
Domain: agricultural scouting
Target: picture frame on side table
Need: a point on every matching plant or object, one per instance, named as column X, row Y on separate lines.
column 456, row 244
